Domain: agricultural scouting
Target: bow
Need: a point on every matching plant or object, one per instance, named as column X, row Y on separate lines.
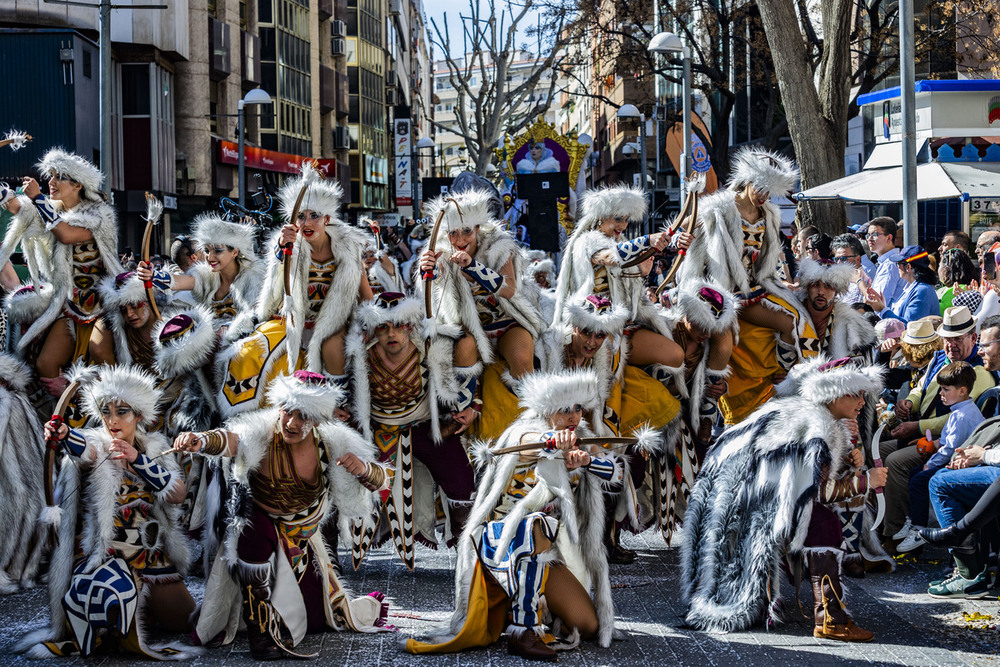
column 154, row 211
column 877, row 463
column 52, row 514
column 309, row 176
column 428, row 276
column 695, row 186
column 604, row 442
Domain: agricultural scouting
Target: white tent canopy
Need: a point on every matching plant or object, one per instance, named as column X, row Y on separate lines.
column 935, row 180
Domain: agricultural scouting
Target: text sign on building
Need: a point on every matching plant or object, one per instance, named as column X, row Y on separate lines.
column 259, row 158
column 404, row 162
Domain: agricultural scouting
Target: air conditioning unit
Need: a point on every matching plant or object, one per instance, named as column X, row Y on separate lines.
column 391, row 97
column 395, row 7
column 338, row 47
column 391, row 79
column 338, row 29
column 341, row 137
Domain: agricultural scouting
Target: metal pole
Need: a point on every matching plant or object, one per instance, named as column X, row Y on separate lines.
column 686, row 158
column 642, row 157
column 239, row 130
column 105, row 82
column 909, row 139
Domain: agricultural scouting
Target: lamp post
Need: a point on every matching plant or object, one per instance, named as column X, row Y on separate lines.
column 668, row 42
column 629, row 112
column 423, row 144
column 255, row 96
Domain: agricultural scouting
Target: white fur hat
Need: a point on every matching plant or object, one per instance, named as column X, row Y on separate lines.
column 834, row 274
column 321, row 196
column 822, row 381
column 598, row 314
column 544, row 265
column 58, row 161
column 548, row 393
column 463, row 209
column 768, row 172
column 310, row 393
column 706, row 305
column 125, row 289
column 210, row 229
column 122, row 384
column 616, row 200
column 389, row 307
column 14, row 373
column 184, row 343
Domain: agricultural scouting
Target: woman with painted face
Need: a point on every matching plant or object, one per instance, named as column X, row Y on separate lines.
column 70, row 241
column 117, row 569
column 302, row 328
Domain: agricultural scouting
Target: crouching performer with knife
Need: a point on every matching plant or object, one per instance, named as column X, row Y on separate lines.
column 532, row 560
column 295, row 467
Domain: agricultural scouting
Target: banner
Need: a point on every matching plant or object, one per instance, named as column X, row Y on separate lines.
column 404, row 166
column 259, row 158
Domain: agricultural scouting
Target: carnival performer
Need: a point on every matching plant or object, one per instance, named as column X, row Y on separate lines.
column 536, row 529
column 303, row 329
column 228, row 281
column 630, row 401
column 22, row 450
column 81, row 233
column 295, row 467
column 758, row 500
column 594, row 262
column 739, row 247
column 382, row 268
column 540, row 283
column 125, row 334
column 121, row 556
column 702, row 313
column 477, row 271
column 401, row 366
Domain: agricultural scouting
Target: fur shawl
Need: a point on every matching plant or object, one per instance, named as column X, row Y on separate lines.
column 348, row 246
column 717, row 251
column 454, row 303
column 437, row 369
column 581, row 517
column 378, row 274
column 345, row 494
column 750, row 507
column 246, row 288
column 100, row 220
column 852, row 334
column 576, row 281
column 27, row 230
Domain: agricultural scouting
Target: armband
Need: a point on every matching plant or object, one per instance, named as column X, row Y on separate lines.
column 374, row 477
column 156, row 475
column 629, row 250
column 161, row 280
column 46, row 210
column 488, row 279
column 549, row 438
column 213, row 442
column 75, row 443
column 603, row 468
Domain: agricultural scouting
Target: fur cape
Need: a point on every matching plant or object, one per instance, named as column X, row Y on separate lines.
column 453, row 300
column 750, row 507
column 22, row 450
column 113, row 299
column 187, row 360
column 437, row 363
column 389, row 283
column 245, row 289
column 852, row 334
column 37, row 243
column 100, row 220
column 579, row 545
column 347, row 244
column 576, row 281
column 89, row 492
column 717, row 250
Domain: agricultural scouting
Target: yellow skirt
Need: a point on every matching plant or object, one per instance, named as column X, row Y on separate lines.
column 500, row 405
column 257, row 360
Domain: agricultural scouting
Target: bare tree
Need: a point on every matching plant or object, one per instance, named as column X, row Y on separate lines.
column 485, row 111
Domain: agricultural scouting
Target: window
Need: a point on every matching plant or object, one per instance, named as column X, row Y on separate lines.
column 88, row 64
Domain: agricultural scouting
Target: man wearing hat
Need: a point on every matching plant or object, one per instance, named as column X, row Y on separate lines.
column 918, row 298
column 921, row 410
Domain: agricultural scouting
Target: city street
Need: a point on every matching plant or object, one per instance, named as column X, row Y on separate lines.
column 910, row 627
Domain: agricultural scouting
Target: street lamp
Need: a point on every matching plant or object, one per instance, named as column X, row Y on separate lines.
column 630, row 112
column 255, row 96
column 668, row 42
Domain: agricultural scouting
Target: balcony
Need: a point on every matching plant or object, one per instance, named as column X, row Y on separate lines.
column 327, row 89
column 325, row 9
column 219, row 46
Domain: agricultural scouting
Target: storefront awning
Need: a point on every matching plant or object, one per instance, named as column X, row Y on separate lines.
column 935, row 180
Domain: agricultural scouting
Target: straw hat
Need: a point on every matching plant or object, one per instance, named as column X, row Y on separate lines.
column 920, row 332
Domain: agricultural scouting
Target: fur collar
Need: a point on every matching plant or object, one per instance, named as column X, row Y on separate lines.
column 245, row 289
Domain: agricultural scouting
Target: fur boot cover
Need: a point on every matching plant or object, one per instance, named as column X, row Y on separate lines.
column 100, row 220
column 345, row 499
column 436, row 343
column 347, row 244
column 88, row 494
column 579, row 543
column 453, row 300
column 22, row 450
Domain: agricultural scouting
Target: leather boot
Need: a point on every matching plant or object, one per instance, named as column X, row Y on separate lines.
column 952, row 536
column 853, row 566
column 256, row 581
column 526, row 643
column 458, row 516
column 832, row 621
column 617, row 554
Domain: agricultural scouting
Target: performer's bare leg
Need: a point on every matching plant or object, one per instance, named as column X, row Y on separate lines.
column 57, row 351
column 762, row 316
column 564, row 595
column 466, row 353
column 332, row 351
column 648, row 347
column 720, row 350
column 171, row 606
column 518, row 349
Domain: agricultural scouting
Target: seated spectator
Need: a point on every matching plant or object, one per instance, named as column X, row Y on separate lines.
column 955, row 381
column 881, row 238
column 984, row 242
column 847, row 249
column 907, row 357
column 921, row 410
column 918, row 299
column 956, row 273
column 799, row 242
column 818, row 247
column 955, row 238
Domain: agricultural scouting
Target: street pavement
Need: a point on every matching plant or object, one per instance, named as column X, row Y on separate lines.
column 910, row 627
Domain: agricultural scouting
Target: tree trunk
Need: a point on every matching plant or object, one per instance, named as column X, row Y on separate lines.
column 816, row 118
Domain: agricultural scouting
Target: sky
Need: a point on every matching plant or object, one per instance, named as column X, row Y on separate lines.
column 435, row 9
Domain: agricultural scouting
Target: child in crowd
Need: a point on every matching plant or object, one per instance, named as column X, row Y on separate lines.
column 955, row 381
